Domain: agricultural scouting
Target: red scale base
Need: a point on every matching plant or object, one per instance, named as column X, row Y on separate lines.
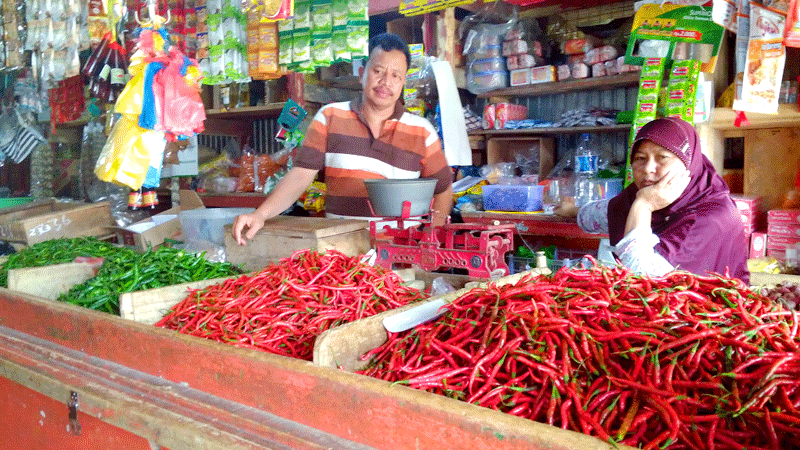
column 478, row 248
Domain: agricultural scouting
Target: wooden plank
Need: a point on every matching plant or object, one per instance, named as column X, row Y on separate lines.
column 771, row 162
column 557, row 87
column 317, row 227
column 150, row 305
column 550, row 130
column 344, row 345
column 49, row 281
column 284, row 235
column 787, row 116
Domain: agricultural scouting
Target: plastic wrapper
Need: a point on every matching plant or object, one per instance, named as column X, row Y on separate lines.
column 314, row 197
column 478, row 83
column 358, row 38
column 766, row 58
column 247, row 175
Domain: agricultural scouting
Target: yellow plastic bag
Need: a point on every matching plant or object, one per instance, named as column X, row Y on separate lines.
column 132, row 95
column 126, row 155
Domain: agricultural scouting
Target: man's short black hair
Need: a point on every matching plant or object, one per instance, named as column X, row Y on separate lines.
column 389, row 42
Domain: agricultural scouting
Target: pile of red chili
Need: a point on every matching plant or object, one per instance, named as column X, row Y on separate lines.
column 681, row 361
column 286, row 305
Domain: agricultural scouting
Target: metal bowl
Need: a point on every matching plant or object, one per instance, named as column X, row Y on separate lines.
column 387, row 196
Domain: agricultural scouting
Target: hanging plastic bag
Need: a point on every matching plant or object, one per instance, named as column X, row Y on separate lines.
column 184, row 112
column 125, row 157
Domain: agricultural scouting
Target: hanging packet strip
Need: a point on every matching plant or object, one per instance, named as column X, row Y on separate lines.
column 766, row 57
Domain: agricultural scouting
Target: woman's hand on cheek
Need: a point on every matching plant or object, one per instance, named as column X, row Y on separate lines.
column 666, row 190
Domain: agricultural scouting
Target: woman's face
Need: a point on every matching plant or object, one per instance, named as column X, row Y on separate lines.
column 651, row 162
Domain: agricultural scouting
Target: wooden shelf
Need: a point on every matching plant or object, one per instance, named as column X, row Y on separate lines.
column 535, row 224
column 248, row 112
column 724, row 119
column 550, row 130
column 559, row 87
column 79, row 122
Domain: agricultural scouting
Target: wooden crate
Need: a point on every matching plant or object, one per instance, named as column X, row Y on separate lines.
column 283, row 235
column 44, row 220
column 147, row 306
column 342, row 346
column 41, row 282
column 150, row 305
column 505, row 149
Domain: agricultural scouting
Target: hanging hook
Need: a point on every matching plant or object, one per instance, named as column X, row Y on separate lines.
column 154, row 19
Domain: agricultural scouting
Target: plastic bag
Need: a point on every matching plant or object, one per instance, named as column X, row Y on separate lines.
column 184, row 112
column 126, row 155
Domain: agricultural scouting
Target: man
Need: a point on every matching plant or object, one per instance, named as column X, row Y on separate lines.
column 370, row 137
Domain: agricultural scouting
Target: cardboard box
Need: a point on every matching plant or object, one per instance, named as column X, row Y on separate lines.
column 783, row 230
column 790, row 216
column 283, row 235
column 44, row 220
column 782, row 243
column 153, row 231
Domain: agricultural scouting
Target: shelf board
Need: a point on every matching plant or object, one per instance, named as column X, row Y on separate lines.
column 253, row 112
column 550, row 130
column 788, row 116
column 79, row 122
column 558, row 87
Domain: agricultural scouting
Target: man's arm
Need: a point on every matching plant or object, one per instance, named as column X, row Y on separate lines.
column 286, row 192
column 442, row 205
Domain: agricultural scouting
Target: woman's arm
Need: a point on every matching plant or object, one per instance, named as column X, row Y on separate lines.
column 636, row 251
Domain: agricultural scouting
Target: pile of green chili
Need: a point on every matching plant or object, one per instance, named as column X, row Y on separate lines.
column 164, row 266
column 58, row 251
column 123, row 269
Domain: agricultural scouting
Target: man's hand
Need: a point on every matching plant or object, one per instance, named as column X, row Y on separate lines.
column 253, row 222
column 666, row 190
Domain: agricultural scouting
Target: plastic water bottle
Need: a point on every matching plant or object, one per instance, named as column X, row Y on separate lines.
column 586, row 159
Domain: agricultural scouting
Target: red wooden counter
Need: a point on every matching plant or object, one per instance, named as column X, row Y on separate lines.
column 141, row 387
column 545, row 229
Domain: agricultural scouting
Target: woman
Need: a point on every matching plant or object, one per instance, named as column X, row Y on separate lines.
column 677, row 213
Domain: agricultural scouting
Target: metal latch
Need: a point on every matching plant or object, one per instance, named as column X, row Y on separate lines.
column 74, row 426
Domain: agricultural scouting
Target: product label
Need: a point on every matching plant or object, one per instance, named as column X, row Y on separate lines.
column 586, row 164
column 105, row 72
column 117, row 76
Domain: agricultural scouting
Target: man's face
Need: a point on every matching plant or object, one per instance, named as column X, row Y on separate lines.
column 384, row 78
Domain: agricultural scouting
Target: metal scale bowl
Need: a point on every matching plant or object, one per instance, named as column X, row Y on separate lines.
column 478, row 248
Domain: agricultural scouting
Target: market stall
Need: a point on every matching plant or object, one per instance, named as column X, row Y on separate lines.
column 242, row 262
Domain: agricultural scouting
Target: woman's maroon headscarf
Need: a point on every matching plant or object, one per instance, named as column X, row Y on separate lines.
column 702, row 230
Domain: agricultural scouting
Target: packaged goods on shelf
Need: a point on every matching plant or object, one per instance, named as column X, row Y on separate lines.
column 600, row 54
column 489, row 65
column 543, row 74
column 579, row 70
column 599, row 70
column 578, row 46
column 520, row 77
column 563, row 72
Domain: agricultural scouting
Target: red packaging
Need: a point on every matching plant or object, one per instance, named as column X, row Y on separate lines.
column 784, row 230
column 758, row 245
column 783, row 216
column 488, row 117
column 782, row 243
column 508, row 111
column 576, row 46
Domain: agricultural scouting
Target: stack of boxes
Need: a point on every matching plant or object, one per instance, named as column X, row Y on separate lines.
column 783, row 232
